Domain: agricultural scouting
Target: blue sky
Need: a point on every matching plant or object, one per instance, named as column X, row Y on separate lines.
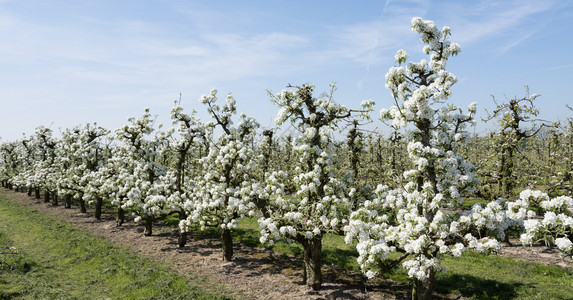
column 64, row 63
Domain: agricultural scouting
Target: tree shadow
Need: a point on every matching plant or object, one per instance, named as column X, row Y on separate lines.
column 260, row 261
column 204, row 244
column 340, row 257
column 476, row 288
column 9, row 295
column 398, row 290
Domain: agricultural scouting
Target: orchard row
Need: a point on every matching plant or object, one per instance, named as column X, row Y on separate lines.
column 394, row 195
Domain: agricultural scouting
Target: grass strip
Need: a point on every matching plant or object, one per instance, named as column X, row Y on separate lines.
column 59, row 261
column 478, row 276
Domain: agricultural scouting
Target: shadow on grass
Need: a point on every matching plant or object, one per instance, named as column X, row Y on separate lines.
column 247, row 237
column 340, row 257
column 4, row 295
column 475, row 287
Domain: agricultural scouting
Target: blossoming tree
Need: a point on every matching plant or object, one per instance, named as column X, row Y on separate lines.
column 190, row 131
column 94, row 151
column 142, row 187
column 81, row 154
column 69, row 168
column 414, row 220
column 9, row 164
column 42, row 174
column 321, row 202
column 221, row 192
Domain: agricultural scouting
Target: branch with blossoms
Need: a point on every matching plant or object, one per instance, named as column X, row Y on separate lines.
column 552, row 224
column 223, row 115
column 300, row 105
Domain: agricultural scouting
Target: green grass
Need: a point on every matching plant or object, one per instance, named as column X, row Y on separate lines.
column 469, row 202
column 58, row 261
column 490, row 277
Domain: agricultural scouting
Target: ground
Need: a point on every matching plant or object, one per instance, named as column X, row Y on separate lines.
column 254, row 273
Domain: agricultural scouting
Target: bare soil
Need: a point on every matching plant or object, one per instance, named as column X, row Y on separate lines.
column 537, row 253
column 254, row 273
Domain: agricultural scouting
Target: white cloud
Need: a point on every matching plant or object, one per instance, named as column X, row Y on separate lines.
column 512, row 20
column 376, row 41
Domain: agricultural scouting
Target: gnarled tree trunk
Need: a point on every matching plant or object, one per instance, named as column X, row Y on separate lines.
column 148, row 226
column 120, row 216
column 68, row 201
column 227, row 244
column 82, row 205
column 312, row 276
column 182, row 240
column 422, row 289
column 99, row 202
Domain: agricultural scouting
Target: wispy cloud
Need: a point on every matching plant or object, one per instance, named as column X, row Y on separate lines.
column 374, row 42
column 512, row 21
column 567, row 66
column 131, row 54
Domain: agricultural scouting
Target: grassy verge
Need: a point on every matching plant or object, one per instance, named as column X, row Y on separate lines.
column 58, row 261
column 479, row 276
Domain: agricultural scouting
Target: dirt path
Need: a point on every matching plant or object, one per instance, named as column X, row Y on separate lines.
column 537, row 253
column 254, row 273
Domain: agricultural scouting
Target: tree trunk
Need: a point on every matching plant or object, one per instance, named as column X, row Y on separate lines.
column 29, row 191
column 312, row 276
column 182, row 240
column 422, row 290
column 82, row 205
column 227, row 244
column 262, row 205
column 148, row 226
column 47, row 196
column 68, row 201
column 37, row 193
column 120, row 216
column 99, row 202
column 54, row 199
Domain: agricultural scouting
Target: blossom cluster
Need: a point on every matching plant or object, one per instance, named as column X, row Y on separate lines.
column 552, row 223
